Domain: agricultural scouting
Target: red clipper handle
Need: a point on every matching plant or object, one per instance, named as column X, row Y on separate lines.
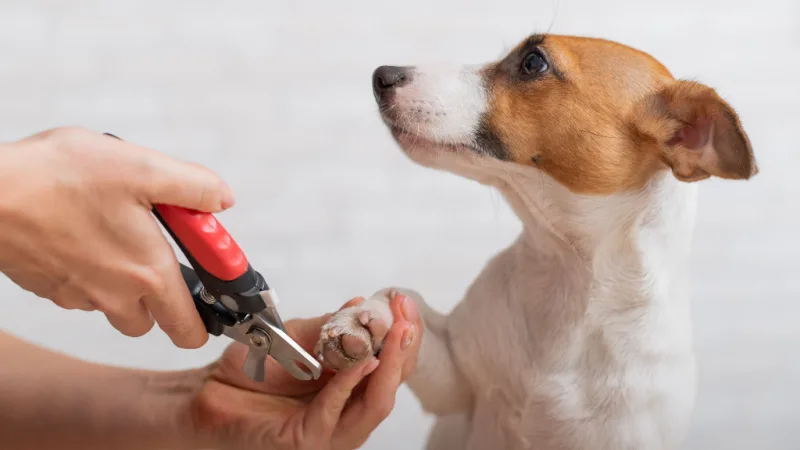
column 206, row 240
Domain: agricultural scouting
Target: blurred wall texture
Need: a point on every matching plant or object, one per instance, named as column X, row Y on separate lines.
column 275, row 96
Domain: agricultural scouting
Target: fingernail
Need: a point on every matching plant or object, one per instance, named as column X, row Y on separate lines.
column 228, row 199
column 370, row 367
column 408, row 337
column 409, row 309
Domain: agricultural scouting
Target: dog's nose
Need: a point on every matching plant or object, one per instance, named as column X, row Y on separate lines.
column 386, row 78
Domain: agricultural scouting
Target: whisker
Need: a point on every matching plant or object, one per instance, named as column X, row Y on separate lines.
column 555, row 16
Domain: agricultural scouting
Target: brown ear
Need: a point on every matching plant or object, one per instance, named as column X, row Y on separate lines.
column 697, row 133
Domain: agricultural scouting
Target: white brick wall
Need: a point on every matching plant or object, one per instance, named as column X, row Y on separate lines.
column 275, row 95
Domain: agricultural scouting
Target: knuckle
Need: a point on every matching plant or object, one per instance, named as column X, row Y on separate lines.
column 125, row 329
column 150, row 169
column 66, row 138
column 61, row 284
column 63, row 301
column 64, row 133
column 140, row 328
column 147, row 171
column 136, row 332
column 122, row 329
column 174, row 327
column 152, row 279
column 66, row 295
column 178, row 331
column 104, row 305
column 109, row 306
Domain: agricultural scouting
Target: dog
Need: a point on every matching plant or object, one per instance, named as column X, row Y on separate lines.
column 578, row 336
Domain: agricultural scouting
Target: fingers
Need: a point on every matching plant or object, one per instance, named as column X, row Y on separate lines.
column 324, row 411
column 70, row 302
column 367, row 412
column 173, row 309
column 165, row 180
column 154, row 176
column 133, row 264
column 185, row 184
column 404, row 307
column 134, row 322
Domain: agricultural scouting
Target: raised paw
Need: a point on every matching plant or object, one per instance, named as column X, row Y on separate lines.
column 350, row 336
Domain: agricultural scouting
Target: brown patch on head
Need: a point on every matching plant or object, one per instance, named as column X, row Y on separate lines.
column 584, row 111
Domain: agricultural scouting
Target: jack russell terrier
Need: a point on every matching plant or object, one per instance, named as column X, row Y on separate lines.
column 578, row 336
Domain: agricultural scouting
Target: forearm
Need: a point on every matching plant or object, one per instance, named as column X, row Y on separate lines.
column 437, row 382
column 49, row 400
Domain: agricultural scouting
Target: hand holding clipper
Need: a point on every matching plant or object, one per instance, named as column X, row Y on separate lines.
column 233, row 298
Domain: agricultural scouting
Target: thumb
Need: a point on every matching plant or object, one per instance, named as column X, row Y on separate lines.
column 325, row 409
column 188, row 185
column 169, row 181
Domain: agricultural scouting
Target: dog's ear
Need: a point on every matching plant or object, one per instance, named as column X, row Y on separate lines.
column 696, row 132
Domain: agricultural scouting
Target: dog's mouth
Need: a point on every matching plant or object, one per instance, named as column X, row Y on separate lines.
column 415, row 140
column 411, row 141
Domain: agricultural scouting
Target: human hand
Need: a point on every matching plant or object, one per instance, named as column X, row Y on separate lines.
column 76, row 228
column 336, row 412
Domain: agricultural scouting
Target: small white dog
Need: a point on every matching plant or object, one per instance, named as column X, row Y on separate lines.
column 577, row 336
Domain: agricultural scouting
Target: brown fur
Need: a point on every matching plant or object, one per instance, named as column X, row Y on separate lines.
column 606, row 117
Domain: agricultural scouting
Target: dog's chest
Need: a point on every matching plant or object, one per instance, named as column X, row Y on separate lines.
column 544, row 354
column 520, row 328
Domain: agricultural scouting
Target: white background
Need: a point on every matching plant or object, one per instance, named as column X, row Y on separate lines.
column 275, row 96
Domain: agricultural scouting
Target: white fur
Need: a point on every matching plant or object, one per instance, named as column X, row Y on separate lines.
column 578, row 335
column 443, row 104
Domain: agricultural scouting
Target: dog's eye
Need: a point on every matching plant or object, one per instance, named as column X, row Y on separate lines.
column 534, row 63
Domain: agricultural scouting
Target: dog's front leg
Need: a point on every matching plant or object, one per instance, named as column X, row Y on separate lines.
column 354, row 333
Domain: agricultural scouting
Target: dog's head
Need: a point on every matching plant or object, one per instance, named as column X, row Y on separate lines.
column 595, row 117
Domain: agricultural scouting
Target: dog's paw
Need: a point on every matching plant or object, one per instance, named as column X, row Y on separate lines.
column 353, row 334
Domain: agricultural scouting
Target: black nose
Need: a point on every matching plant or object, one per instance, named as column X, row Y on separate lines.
column 386, row 78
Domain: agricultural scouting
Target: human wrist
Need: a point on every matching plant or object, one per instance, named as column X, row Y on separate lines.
column 51, row 400
column 126, row 409
column 138, row 410
column 167, row 408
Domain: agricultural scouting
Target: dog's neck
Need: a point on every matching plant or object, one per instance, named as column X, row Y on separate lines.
column 635, row 241
column 622, row 240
